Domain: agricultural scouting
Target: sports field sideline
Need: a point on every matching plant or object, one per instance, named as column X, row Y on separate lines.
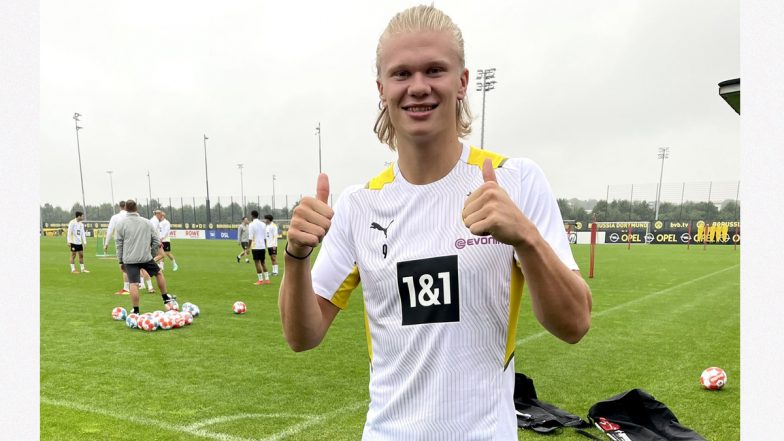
column 661, row 314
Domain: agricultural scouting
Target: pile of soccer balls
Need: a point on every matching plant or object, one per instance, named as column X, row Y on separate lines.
column 152, row 321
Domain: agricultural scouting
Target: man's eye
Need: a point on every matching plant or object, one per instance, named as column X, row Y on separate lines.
column 435, row 70
column 401, row 74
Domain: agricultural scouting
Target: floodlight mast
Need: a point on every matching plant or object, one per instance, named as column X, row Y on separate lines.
column 149, row 193
column 664, row 153
column 242, row 187
column 485, row 82
column 273, row 192
column 76, row 116
column 111, row 186
column 207, row 181
column 318, row 132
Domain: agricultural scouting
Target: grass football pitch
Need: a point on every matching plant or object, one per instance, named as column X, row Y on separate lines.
column 661, row 314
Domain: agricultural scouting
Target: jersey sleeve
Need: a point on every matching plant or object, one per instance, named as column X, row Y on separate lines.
column 335, row 273
column 110, row 228
column 164, row 227
column 71, row 237
column 538, row 203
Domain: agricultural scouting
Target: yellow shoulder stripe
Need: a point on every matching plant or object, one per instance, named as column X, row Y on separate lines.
column 369, row 338
column 515, row 294
column 477, row 157
column 340, row 299
column 386, row 177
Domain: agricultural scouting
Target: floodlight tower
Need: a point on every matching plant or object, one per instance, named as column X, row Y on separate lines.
column 485, row 82
column 664, row 153
column 79, row 154
column 111, row 187
column 273, row 192
column 242, row 188
column 318, row 132
column 207, row 181
column 149, row 192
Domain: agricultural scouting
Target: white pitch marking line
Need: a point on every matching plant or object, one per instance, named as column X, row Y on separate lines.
column 630, row 302
column 144, row 421
column 293, row 430
column 240, row 416
column 195, row 428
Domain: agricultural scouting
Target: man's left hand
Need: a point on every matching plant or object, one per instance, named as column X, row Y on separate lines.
column 490, row 211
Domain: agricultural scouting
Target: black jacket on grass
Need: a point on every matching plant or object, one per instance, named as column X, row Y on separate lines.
column 635, row 415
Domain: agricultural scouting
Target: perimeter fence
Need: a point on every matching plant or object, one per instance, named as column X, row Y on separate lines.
column 709, row 201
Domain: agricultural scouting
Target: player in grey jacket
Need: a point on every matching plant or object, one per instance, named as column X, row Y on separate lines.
column 137, row 243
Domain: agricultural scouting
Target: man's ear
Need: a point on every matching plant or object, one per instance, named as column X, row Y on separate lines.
column 380, row 92
column 461, row 93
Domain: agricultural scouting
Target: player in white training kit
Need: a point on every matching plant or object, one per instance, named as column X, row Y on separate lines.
column 164, row 227
column 77, row 239
column 155, row 220
column 111, row 235
column 442, row 242
column 242, row 239
column 257, row 231
column 272, row 242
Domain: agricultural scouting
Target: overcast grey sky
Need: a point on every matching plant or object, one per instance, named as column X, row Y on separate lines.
column 589, row 90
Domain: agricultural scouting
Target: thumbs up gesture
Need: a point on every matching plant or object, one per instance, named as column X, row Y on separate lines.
column 310, row 220
column 490, row 211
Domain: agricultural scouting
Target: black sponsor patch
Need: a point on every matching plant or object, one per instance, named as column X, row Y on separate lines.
column 429, row 290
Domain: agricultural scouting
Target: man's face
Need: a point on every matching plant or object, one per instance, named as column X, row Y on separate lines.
column 267, row 221
column 420, row 81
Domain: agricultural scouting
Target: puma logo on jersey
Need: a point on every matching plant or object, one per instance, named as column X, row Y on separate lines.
column 376, row 226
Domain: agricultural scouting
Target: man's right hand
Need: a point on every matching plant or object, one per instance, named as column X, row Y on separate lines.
column 311, row 220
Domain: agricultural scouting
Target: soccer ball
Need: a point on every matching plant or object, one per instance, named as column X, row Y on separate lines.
column 132, row 321
column 239, row 308
column 166, row 321
column 172, row 306
column 190, row 307
column 118, row 313
column 187, row 317
column 713, row 378
column 178, row 320
column 148, row 323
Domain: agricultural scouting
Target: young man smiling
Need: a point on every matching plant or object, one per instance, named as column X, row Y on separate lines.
column 440, row 316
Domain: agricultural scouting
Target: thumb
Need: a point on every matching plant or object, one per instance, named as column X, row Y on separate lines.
column 488, row 173
column 322, row 188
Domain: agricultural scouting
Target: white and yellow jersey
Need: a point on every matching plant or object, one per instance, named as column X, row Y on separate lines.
column 272, row 235
column 113, row 221
column 441, row 304
column 76, row 234
column 164, row 227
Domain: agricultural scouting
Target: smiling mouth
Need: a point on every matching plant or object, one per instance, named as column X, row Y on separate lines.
column 420, row 108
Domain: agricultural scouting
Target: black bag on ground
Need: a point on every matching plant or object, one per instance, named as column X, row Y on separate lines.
column 537, row 415
column 636, row 416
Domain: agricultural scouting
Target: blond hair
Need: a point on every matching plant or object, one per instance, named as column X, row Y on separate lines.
column 417, row 19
